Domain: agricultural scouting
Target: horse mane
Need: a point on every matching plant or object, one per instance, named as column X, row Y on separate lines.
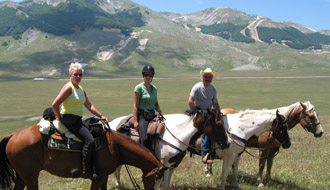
column 294, row 107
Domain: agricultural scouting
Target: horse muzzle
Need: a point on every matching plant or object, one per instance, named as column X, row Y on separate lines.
column 286, row 145
column 318, row 134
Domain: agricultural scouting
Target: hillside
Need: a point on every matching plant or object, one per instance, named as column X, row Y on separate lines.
column 114, row 38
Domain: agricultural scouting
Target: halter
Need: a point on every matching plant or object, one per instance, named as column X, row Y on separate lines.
column 309, row 123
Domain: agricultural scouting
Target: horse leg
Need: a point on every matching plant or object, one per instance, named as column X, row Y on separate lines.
column 228, row 161
column 99, row 183
column 235, row 172
column 270, row 159
column 27, row 175
column 104, row 185
column 31, row 182
column 19, row 183
column 208, row 169
column 263, row 154
column 117, row 177
column 167, row 178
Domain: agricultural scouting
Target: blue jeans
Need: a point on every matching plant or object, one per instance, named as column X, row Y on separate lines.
column 205, row 145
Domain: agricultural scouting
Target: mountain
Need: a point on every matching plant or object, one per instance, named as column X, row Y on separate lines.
column 116, row 37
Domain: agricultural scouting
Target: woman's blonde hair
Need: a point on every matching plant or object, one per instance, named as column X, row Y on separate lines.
column 75, row 66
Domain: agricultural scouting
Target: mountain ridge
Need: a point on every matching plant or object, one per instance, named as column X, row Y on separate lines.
column 169, row 41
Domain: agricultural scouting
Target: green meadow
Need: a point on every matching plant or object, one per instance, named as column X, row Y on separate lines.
column 304, row 166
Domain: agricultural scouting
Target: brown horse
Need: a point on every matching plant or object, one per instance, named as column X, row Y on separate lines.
column 303, row 113
column 25, row 153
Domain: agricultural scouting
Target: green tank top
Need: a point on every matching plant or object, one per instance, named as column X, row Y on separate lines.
column 74, row 103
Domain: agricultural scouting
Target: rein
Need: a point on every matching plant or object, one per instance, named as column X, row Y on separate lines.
column 134, row 183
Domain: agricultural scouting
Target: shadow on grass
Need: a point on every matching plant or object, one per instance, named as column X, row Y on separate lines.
column 273, row 183
column 243, row 179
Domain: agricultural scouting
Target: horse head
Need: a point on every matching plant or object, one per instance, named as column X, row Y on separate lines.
column 280, row 130
column 152, row 180
column 210, row 123
column 309, row 120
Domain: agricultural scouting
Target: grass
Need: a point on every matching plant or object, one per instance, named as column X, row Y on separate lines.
column 305, row 166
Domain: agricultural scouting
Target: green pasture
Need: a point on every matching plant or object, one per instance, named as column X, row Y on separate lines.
column 305, row 166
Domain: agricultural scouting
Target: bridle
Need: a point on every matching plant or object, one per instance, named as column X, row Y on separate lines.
column 308, row 122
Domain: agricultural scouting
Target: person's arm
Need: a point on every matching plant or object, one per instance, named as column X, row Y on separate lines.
column 135, row 109
column 93, row 109
column 191, row 103
column 157, row 107
column 216, row 104
column 65, row 92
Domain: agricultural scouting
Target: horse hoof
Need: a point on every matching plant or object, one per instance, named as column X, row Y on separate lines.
column 261, row 185
column 208, row 175
column 206, row 170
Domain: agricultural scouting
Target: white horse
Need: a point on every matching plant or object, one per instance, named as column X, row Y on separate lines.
column 303, row 113
column 242, row 126
column 171, row 147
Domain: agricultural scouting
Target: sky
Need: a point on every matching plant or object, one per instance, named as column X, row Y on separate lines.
column 312, row 13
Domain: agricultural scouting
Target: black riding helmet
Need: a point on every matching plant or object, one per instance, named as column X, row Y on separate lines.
column 148, row 69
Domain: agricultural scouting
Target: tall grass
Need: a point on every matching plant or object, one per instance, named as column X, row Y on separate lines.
column 304, row 166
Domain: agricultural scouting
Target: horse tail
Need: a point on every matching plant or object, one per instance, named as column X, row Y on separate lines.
column 7, row 173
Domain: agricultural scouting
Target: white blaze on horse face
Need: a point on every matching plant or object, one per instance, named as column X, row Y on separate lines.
column 319, row 128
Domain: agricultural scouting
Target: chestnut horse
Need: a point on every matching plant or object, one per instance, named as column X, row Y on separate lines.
column 180, row 130
column 303, row 113
column 25, row 153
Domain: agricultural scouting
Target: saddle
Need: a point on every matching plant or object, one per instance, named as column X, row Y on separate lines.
column 61, row 138
column 155, row 128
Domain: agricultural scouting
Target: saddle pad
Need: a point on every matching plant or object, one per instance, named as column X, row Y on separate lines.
column 66, row 145
column 70, row 145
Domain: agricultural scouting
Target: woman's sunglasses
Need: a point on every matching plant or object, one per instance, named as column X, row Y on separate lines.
column 76, row 74
column 148, row 75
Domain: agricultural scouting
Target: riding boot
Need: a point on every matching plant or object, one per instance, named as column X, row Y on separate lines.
column 87, row 165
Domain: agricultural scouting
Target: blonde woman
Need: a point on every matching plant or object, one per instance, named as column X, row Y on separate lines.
column 72, row 98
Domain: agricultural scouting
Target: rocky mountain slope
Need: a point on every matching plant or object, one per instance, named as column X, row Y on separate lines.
column 118, row 36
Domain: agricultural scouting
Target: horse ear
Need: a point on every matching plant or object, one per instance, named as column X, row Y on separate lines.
column 277, row 113
column 303, row 105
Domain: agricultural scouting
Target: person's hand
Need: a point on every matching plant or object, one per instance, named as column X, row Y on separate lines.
column 136, row 125
column 105, row 118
